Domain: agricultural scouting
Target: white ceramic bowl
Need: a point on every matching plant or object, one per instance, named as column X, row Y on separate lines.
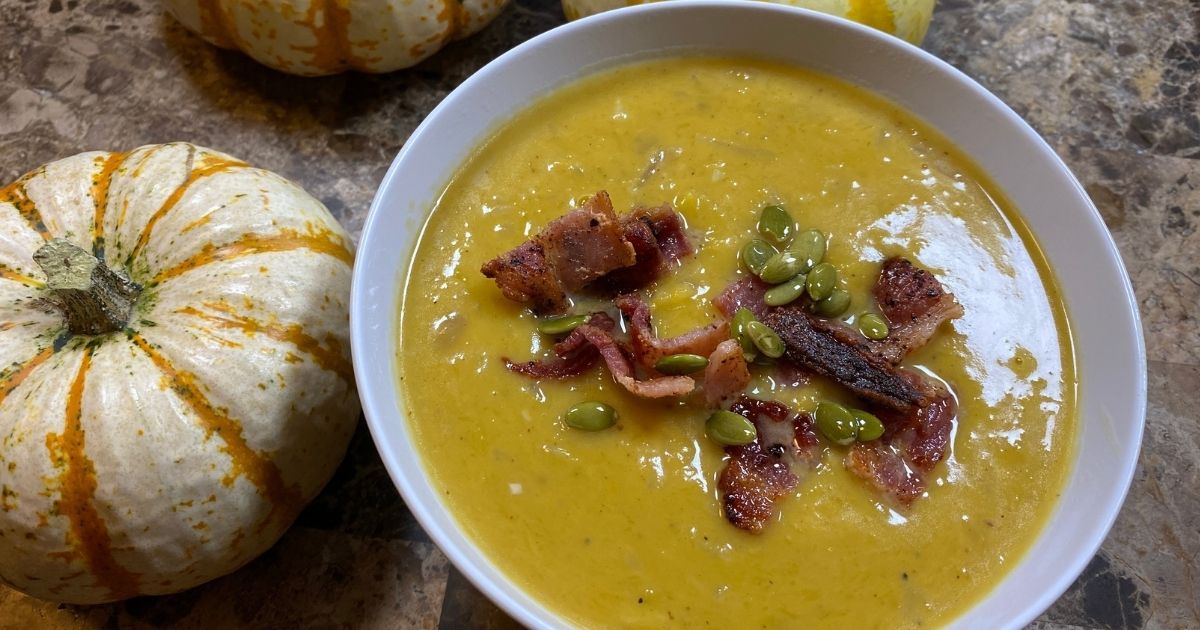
column 1101, row 305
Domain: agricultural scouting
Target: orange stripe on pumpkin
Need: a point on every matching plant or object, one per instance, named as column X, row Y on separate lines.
column 322, row 242
column 11, row 274
column 14, row 375
column 216, row 165
column 15, row 194
column 100, row 185
column 331, row 51
column 256, row 467
column 330, row 356
column 78, row 494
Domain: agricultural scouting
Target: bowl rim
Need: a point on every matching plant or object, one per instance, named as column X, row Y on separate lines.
column 513, row 599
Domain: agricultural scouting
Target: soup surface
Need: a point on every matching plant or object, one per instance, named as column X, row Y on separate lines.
column 623, row 527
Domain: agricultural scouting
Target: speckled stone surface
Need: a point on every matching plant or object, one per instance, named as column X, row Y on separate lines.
column 1113, row 85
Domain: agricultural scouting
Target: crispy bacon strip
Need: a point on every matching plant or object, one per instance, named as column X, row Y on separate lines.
column 915, row 304
column 649, row 261
column 766, row 470
column 622, row 370
column 658, row 238
column 912, row 444
column 587, row 243
column 524, row 275
column 574, row 355
column 648, row 348
column 592, row 341
column 833, row 350
column 590, row 247
column 747, row 292
column 668, row 229
column 727, row 373
column 882, row 466
column 566, row 255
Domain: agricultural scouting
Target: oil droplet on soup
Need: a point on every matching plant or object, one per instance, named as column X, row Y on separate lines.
column 623, row 527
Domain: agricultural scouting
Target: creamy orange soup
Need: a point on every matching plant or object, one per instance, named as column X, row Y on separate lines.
column 623, row 527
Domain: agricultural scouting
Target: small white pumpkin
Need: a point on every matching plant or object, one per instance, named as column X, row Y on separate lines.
column 175, row 379
column 906, row 19
column 318, row 37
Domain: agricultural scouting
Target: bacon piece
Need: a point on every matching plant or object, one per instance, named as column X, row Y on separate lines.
column 924, row 435
column 567, row 254
column 915, row 304
column 833, row 350
column 658, row 238
column 591, row 341
column 574, row 355
column 912, row 444
column 523, row 275
column 622, row 370
column 726, row 374
column 587, row 243
column 590, row 247
column 746, row 292
column 668, row 229
column 764, row 471
column 882, row 466
column 648, row 348
column 649, row 257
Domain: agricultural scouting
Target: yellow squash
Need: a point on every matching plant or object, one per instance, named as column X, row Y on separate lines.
column 906, row 19
column 175, row 381
column 319, row 37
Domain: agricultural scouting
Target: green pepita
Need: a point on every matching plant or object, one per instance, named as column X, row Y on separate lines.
column 756, row 253
column 785, row 293
column 776, row 224
column 869, row 427
column 822, row 280
column 590, row 416
column 765, row 339
column 809, row 247
column 730, row 429
column 737, row 327
column 561, row 325
column 836, row 423
column 872, row 326
column 681, row 364
column 780, row 267
column 835, row 304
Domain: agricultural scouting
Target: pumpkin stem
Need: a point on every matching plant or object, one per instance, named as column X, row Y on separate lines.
column 94, row 299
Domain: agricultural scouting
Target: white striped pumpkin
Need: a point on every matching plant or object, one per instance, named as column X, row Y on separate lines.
column 182, row 444
column 318, row 37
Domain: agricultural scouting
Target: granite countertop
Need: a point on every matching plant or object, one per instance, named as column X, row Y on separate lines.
column 1113, row 85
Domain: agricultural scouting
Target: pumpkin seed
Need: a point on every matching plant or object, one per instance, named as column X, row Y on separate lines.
column 869, row 426
column 809, row 247
column 742, row 317
column 834, row 305
column 681, row 364
column 776, row 224
column 785, row 293
column 780, row 267
column 821, row 281
column 730, row 429
column 756, row 253
column 765, row 339
column 590, row 416
column 836, row 423
column 872, row 326
column 561, row 325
